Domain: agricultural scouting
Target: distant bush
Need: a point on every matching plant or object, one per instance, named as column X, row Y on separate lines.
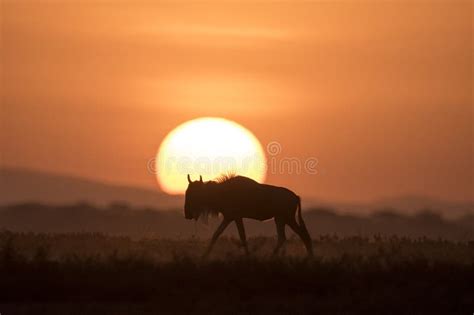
column 121, row 219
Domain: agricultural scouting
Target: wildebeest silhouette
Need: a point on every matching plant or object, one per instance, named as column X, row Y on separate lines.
column 238, row 197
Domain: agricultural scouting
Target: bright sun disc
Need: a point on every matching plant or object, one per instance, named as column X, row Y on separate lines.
column 209, row 147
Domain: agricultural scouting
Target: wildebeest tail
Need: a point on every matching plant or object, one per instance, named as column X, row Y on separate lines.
column 300, row 217
column 304, row 231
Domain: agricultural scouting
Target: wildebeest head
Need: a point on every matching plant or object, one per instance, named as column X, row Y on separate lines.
column 194, row 203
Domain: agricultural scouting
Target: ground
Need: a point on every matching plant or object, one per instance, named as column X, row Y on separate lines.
column 99, row 274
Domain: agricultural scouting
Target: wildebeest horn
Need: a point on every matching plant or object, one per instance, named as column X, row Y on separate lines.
column 200, row 178
column 189, row 179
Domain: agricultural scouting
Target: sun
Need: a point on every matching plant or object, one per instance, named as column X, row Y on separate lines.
column 209, row 147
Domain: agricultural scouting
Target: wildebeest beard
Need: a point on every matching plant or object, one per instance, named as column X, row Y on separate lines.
column 205, row 213
column 210, row 208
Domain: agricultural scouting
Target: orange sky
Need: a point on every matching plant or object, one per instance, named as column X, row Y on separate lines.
column 379, row 92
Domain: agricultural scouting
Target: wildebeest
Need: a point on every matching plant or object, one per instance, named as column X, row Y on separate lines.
column 238, row 197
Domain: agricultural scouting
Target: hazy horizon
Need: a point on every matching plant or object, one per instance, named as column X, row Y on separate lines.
column 27, row 186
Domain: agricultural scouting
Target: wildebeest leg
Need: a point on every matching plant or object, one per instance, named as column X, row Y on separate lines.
column 216, row 235
column 280, row 225
column 304, row 236
column 241, row 229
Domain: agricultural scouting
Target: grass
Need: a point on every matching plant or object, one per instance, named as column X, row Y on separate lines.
column 98, row 274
